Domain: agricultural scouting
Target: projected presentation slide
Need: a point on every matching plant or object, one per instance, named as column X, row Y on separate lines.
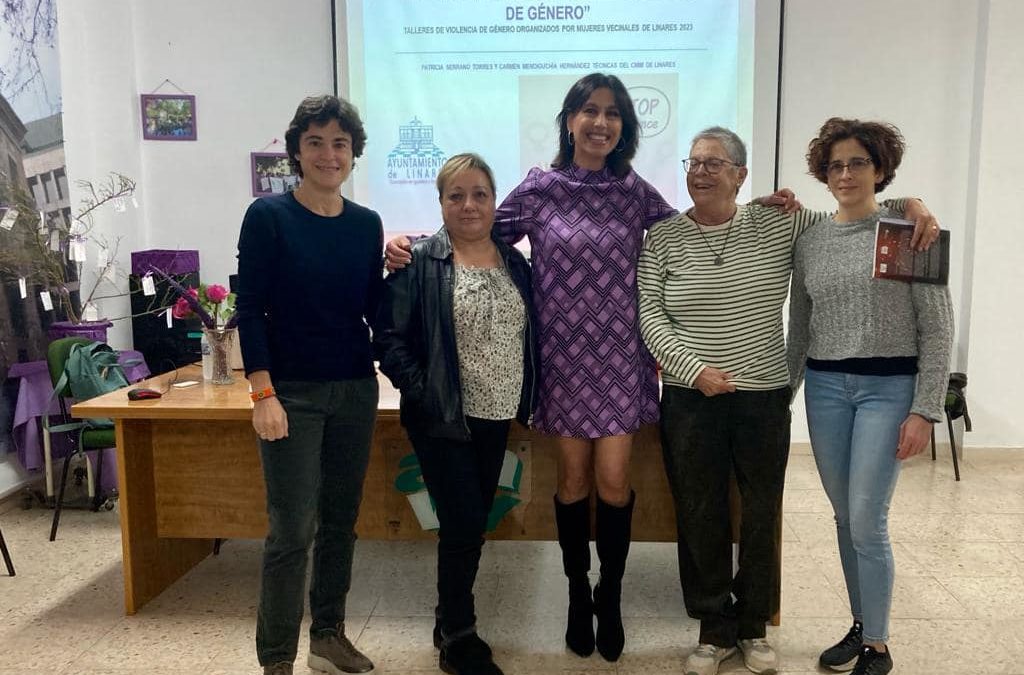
column 433, row 78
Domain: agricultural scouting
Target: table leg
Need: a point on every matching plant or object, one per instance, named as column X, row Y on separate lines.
column 151, row 563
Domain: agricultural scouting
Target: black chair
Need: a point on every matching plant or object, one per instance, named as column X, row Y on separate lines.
column 6, row 554
column 88, row 436
column 955, row 408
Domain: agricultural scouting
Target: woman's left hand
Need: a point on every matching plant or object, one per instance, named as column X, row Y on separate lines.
column 926, row 227
column 915, row 433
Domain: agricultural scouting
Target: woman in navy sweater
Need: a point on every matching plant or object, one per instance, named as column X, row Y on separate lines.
column 310, row 275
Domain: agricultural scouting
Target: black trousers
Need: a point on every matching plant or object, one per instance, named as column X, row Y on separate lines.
column 704, row 440
column 462, row 478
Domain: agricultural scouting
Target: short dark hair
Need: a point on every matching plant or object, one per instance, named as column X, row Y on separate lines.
column 466, row 161
column 320, row 110
column 578, row 95
column 882, row 140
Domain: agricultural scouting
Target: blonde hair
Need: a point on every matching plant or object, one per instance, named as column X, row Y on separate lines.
column 463, row 162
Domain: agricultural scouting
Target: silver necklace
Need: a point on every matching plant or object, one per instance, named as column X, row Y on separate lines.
column 719, row 257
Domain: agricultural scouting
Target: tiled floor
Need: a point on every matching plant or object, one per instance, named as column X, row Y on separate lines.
column 958, row 607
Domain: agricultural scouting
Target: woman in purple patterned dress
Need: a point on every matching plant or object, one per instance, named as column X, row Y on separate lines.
column 585, row 219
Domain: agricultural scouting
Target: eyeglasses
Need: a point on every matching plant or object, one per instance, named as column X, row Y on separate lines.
column 856, row 165
column 712, row 166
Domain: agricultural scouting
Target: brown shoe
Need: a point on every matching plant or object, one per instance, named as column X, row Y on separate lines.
column 279, row 668
column 335, row 654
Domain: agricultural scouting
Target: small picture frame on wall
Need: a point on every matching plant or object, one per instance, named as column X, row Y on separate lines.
column 168, row 117
column 271, row 174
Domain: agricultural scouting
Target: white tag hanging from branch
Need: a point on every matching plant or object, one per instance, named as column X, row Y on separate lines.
column 9, row 218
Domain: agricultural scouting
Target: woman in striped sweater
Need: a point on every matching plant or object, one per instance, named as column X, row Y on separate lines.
column 712, row 282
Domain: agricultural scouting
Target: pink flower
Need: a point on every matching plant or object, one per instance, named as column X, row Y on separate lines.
column 194, row 292
column 181, row 309
column 216, row 293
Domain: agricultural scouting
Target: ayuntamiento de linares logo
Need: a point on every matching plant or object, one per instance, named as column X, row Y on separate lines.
column 410, row 483
column 415, row 159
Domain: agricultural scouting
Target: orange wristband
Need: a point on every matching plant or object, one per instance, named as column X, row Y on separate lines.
column 262, row 394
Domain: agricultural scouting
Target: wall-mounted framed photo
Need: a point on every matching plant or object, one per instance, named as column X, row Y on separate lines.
column 168, row 117
column 271, row 174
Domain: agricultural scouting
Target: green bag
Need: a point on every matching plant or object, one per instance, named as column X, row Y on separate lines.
column 92, row 370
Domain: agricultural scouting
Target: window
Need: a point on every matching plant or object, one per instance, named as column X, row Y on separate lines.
column 12, row 175
column 37, row 191
column 47, row 187
column 62, row 183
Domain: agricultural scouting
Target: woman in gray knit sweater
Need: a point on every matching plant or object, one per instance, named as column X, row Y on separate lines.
column 876, row 354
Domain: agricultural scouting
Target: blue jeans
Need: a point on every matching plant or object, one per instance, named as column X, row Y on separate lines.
column 854, row 423
column 314, row 481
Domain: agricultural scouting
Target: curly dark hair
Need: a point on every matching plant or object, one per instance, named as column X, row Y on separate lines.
column 578, row 95
column 320, row 110
column 882, row 140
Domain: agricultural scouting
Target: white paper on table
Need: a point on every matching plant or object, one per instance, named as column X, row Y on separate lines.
column 76, row 250
column 22, row 288
column 170, row 318
column 148, row 285
column 47, row 300
column 420, row 502
column 90, row 312
column 54, row 240
column 102, row 258
column 7, row 222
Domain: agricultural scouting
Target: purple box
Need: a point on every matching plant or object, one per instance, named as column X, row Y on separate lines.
column 168, row 261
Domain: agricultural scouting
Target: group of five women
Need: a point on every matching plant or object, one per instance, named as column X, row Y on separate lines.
column 474, row 336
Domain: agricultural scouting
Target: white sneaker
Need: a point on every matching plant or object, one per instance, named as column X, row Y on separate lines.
column 705, row 659
column 759, row 657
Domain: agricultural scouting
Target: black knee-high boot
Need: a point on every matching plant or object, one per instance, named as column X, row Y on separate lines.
column 573, row 521
column 614, row 527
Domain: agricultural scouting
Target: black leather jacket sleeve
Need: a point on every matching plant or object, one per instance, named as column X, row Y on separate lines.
column 397, row 332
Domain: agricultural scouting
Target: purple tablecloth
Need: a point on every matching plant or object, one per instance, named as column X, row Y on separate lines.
column 35, row 397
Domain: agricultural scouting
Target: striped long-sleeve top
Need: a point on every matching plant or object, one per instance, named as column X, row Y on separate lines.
column 694, row 313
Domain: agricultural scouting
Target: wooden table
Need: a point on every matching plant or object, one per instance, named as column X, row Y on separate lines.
column 189, row 472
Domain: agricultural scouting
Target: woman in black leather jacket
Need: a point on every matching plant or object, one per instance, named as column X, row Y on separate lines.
column 455, row 335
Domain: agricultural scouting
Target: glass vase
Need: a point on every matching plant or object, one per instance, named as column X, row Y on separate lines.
column 220, row 341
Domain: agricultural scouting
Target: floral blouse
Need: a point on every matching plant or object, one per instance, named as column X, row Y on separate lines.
column 490, row 324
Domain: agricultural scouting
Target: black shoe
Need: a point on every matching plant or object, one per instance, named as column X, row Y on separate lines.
column 842, row 656
column 573, row 521
column 614, row 525
column 438, row 638
column 468, row 655
column 871, row 662
column 611, row 637
column 579, row 628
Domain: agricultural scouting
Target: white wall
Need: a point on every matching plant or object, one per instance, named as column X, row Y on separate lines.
column 248, row 62
column 995, row 363
column 911, row 62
